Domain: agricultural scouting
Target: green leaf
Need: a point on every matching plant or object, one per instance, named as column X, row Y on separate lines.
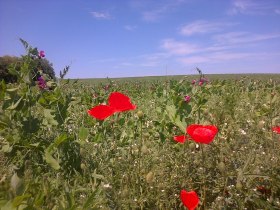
column 180, row 124
column 49, row 118
column 2, row 90
column 19, row 199
column 60, row 139
column 25, row 44
column 171, row 112
column 91, row 199
column 6, row 148
column 14, row 106
column 35, row 144
column 12, row 89
column 51, row 161
column 8, row 206
column 83, row 133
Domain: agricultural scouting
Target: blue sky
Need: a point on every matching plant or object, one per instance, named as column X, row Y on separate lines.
column 124, row 38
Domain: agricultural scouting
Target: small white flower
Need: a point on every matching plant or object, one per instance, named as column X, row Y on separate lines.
column 107, row 186
column 242, row 132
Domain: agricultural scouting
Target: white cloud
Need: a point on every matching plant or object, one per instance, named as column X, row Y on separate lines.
column 277, row 11
column 126, row 64
column 155, row 14
column 226, row 56
column 178, row 48
column 215, row 57
column 101, row 15
column 243, row 37
column 251, row 7
column 199, row 26
column 130, row 27
column 153, row 59
column 202, row 26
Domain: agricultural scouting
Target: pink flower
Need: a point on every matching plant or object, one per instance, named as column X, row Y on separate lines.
column 193, row 82
column 41, row 54
column 187, row 99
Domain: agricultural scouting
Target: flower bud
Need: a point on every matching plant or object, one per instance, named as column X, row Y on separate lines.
column 222, row 167
column 149, row 177
column 140, row 114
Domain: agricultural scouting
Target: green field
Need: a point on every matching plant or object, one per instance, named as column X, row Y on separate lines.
column 190, row 77
column 55, row 155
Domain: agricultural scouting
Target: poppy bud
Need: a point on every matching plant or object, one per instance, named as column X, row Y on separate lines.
column 140, row 114
column 16, row 183
column 192, row 145
column 222, row 167
column 83, row 166
column 238, row 185
column 144, row 149
column 261, row 124
column 149, row 177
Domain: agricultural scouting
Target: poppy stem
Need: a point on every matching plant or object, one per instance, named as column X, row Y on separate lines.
column 203, row 177
column 140, row 144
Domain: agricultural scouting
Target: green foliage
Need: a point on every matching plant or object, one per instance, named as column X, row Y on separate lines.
column 10, row 66
column 5, row 62
column 53, row 155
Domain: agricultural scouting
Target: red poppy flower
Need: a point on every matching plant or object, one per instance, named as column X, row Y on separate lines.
column 202, row 133
column 118, row 102
column 276, row 129
column 101, row 112
column 180, row 139
column 189, row 199
column 263, row 190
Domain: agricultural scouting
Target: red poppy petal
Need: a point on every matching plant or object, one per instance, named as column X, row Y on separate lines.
column 180, row 139
column 202, row 133
column 101, row 112
column 120, row 102
column 189, row 199
column 276, row 129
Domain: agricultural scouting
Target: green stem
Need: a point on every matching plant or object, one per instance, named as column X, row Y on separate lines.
column 203, row 177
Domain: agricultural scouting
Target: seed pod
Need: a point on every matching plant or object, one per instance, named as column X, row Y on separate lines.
column 16, row 183
column 222, row 167
column 144, row 150
column 192, row 145
column 82, row 152
column 83, row 166
column 238, row 185
column 150, row 177
column 140, row 114
column 261, row 124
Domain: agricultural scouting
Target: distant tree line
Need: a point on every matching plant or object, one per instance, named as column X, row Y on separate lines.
column 5, row 61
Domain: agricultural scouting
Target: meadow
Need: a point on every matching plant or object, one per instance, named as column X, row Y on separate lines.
column 56, row 154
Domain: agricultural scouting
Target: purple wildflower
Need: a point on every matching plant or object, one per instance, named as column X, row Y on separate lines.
column 41, row 54
column 42, row 83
